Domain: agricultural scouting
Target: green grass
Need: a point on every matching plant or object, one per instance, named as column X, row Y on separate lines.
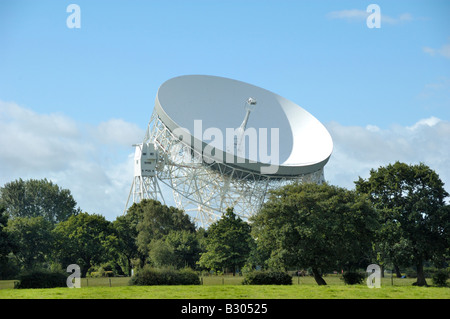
column 231, row 292
column 229, row 287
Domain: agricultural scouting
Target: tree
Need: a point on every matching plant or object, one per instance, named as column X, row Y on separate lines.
column 127, row 250
column 228, row 243
column 6, row 244
column 32, row 237
column 86, row 240
column 415, row 218
column 185, row 247
column 33, row 198
column 161, row 254
column 321, row 227
column 155, row 221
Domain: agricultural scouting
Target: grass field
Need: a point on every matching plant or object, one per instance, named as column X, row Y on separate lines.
column 229, row 287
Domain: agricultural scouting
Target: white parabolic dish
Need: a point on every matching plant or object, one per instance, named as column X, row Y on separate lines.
column 305, row 145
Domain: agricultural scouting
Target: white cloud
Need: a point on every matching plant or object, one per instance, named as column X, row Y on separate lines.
column 404, row 17
column 359, row 149
column 443, row 51
column 32, row 141
column 429, row 50
column 355, row 15
column 117, row 131
column 94, row 162
column 372, row 128
column 431, row 121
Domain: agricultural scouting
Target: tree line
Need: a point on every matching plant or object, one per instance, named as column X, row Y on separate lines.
column 398, row 217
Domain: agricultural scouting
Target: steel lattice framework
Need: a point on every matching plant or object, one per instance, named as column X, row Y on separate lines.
column 204, row 189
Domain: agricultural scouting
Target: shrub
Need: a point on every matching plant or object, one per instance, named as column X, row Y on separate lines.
column 188, row 277
column 440, row 278
column 149, row 276
column 42, row 279
column 269, row 277
column 353, row 278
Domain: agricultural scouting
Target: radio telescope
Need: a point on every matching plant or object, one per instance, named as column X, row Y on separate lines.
column 218, row 143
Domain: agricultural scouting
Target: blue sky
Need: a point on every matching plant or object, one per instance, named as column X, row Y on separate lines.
column 80, row 97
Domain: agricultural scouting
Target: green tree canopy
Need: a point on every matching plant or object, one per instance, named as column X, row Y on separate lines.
column 228, row 243
column 154, row 221
column 179, row 249
column 32, row 237
column 161, row 253
column 415, row 219
column 125, row 228
column 6, row 242
column 321, row 227
column 185, row 247
column 86, row 240
column 33, row 198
